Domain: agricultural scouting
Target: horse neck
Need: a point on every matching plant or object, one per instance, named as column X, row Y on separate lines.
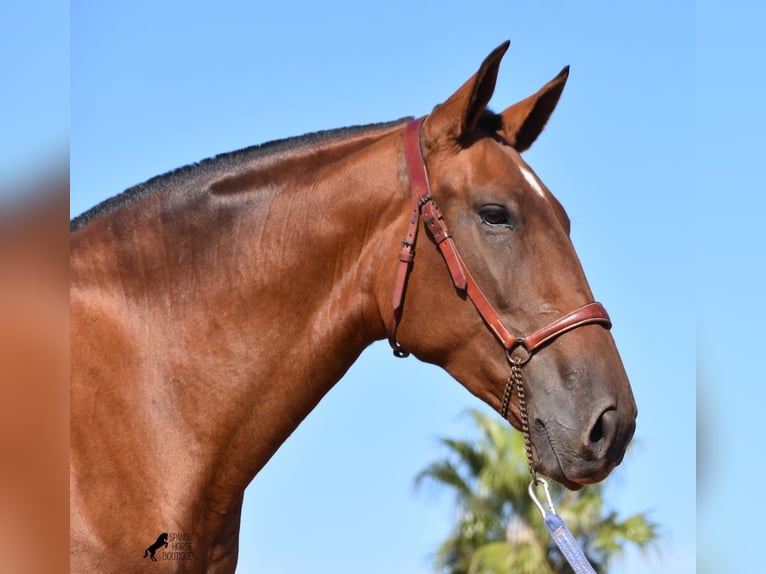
column 263, row 283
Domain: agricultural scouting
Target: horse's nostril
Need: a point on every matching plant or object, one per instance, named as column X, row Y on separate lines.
column 603, row 426
column 597, row 432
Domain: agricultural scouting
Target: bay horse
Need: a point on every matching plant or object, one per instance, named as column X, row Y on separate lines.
column 214, row 306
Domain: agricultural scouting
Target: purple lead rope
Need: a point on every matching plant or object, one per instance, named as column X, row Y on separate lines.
column 559, row 531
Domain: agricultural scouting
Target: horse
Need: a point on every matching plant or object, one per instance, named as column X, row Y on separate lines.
column 162, row 540
column 212, row 308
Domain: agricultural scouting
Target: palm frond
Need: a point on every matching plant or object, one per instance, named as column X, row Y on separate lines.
column 498, row 530
column 445, row 474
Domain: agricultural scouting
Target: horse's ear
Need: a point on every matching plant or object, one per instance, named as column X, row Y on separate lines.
column 458, row 116
column 524, row 121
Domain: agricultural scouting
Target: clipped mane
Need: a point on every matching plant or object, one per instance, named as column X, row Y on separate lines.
column 230, row 160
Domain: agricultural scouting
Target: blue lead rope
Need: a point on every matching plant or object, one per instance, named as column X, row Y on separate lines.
column 567, row 544
column 559, row 531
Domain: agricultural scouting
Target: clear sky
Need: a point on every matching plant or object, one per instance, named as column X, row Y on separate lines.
column 729, row 235
column 157, row 85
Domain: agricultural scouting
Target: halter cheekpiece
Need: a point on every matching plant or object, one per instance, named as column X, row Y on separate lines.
column 519, row 350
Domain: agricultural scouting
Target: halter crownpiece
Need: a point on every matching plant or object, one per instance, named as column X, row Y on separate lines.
column 518, row 349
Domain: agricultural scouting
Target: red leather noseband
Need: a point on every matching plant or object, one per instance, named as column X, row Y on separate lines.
column 424, row 206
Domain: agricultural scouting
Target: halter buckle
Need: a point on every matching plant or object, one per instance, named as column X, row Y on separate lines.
column 399, row 351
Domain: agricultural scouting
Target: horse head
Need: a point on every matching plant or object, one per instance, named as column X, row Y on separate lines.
column 513, row 236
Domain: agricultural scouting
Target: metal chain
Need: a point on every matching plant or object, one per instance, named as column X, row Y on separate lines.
column 507, row 396
column 519, row 383
column 561, row 535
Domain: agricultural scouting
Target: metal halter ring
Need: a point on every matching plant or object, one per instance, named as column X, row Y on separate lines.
column 518, row 354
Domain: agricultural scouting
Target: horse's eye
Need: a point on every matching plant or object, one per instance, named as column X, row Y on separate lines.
column 495, row 216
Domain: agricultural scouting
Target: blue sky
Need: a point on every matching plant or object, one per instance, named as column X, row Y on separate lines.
column 729, row 235
column 34, row 101
column 158, row 85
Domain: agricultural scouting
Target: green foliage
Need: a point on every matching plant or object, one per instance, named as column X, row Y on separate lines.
column 498, row 529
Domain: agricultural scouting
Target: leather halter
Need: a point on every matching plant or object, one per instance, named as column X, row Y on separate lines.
column 518, row 349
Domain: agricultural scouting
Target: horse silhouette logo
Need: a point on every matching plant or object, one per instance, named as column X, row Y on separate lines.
column 162, row 540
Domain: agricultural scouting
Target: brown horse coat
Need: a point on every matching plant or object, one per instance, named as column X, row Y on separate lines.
column 212, row 308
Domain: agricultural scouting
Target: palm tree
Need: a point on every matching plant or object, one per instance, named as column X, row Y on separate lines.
column 499, row 530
